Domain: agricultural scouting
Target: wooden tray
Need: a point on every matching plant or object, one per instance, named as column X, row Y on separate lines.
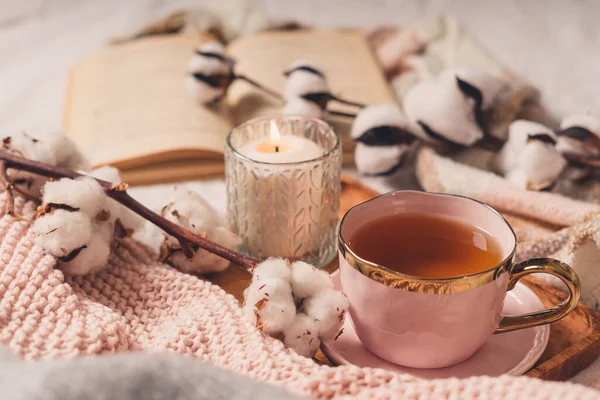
column 574, row 341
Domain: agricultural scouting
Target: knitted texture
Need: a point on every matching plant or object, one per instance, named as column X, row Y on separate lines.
column 137, row 304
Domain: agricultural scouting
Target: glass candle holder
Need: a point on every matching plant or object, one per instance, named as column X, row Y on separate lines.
column 283, row 188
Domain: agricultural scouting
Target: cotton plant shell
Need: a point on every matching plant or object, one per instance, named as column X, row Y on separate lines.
column 378, row 160
column 442, row 107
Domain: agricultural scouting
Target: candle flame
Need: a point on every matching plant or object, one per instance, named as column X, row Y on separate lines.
column 275, row 138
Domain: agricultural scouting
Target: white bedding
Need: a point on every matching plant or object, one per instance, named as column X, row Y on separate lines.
column 555, row 45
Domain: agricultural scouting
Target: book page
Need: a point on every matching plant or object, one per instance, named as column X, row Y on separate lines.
column 344, row 56
column 173, row 171
column 127, row 105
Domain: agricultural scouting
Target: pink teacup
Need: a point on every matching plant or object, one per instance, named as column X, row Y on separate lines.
column 436, row 322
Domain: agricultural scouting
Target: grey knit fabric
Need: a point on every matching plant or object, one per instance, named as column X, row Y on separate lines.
column 129, row 376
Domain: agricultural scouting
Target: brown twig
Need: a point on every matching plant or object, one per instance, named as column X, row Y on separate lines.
column 347, row 102
column 342, row 114
column 186, row 238
column 9, row 186
column 280, row 97
column 260, row 86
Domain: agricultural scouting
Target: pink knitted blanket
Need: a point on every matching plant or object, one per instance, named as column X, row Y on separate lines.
column 138, row 304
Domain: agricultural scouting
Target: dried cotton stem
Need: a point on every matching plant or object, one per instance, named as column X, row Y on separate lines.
column 187, row 239
column 259, row 86
column 9, row 185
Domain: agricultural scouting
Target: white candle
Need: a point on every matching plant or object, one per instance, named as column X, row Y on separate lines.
column 279, row 149
column 285, row 202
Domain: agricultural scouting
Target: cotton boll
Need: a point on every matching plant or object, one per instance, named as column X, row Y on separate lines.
column 300, row 84
column 66, row 152
column 219, row 217
column 106, row 173
column 92, row 258
column 210, row 51
column 211, row 58
column 272, row 268
column 304, row 108
column 203, row 92
column 441, row 112
column 585, row 120
column 578, row 141
column 204, row 261
column 209, row 66
column 84, row 194
column 302, row 78
column 129, row 219
column 529, row 159
column 370, row 118
column 302, row 335
column 28, row 146
column 329, row 307
column 274, row 288
column 307, row 280
column 212, row 47
column 191, row 211
column 378, row 160
column 106, row 230
column 150, row 235
column 207, row 90
column 210, row 73
column 225, row 238
column 518, row 135
column 517, row 177
column 31, row 147
column 50, row 147
column 579, row 134
column 489, row 85
column 61, row 232
column 541, row 163
column 269, row 305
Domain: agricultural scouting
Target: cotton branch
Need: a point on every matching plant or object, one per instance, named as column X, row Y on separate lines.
column 187, row 239
column 9, row 185
column 259, row 86
column 279, row 97
column 347, row 102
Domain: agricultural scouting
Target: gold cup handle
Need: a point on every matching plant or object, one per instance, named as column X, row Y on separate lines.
column 546, row 266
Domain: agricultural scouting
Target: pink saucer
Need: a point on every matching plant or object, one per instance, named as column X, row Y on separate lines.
column 512, row 353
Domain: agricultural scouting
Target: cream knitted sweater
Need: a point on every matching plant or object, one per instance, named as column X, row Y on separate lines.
column 138, row 304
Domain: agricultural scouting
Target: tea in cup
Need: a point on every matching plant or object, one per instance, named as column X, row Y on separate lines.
column 426, row 275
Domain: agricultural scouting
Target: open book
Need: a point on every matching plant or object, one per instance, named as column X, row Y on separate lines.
column 127, row 106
